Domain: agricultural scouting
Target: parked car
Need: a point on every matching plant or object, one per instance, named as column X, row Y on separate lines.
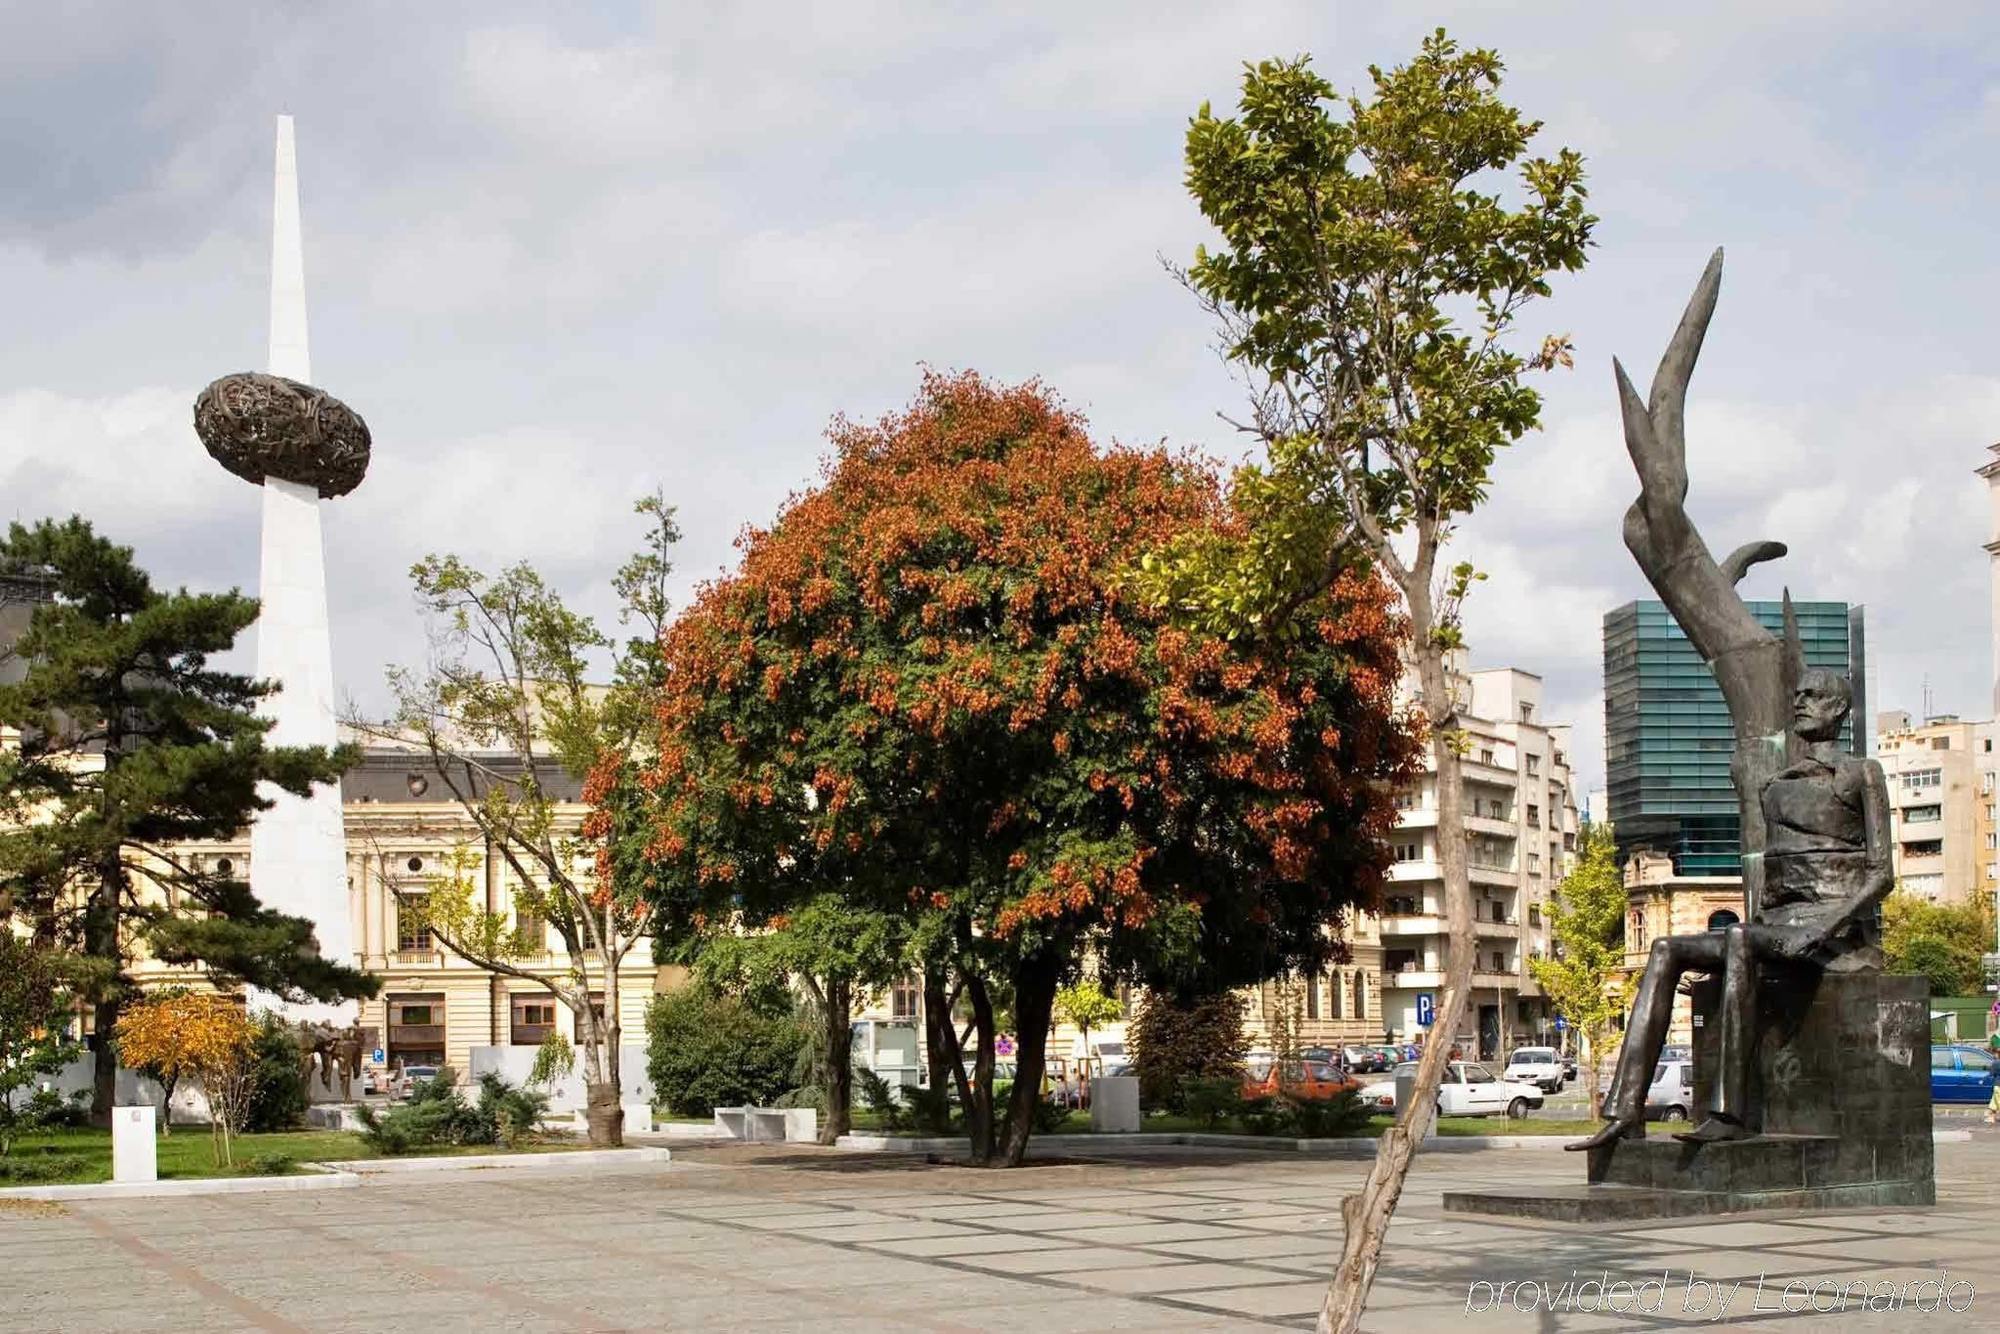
column 1387, row 1058
column 1362, row 1060
column 1671, row 1094
column 1961, row 1072
column 1312, row 1080
column 1469, row 1089
column 1539, row 1066
column 1569, row 1066
column 414, row 1075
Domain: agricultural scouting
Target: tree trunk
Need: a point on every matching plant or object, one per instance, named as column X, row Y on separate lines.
column 1587, row 1060
column 1034, row 1005
column 941, row 1063
column 100, row 941
column 1367, row 1214
column 979, row 1106
column 604, row 1113
column 838, row 1013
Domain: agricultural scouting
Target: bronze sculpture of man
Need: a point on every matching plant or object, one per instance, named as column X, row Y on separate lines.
column 1826, row 868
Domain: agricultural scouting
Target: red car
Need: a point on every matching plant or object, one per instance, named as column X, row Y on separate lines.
column 1301, row 1079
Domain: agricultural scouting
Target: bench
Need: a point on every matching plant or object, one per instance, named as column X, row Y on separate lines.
column 773, row 1124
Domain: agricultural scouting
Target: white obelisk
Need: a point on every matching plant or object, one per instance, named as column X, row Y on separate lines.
column 298, row 850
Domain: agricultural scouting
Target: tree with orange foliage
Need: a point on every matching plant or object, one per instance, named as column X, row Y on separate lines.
column 176, row 1034
column 930, row 687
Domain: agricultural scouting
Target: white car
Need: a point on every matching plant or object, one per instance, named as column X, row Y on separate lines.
column 1468, row 1090
column 1671, row 1093
column 1539, row 1066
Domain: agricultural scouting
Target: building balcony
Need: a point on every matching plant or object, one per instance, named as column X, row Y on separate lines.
column 1486, row 824
column 1510, row 927
column 1414, row 871
column 1413, row 924
column 1409, row 978
column 1417, row 817
column 1488, row 981
column 1502, row 877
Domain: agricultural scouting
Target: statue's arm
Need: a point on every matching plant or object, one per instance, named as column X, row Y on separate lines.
column 1880, row 877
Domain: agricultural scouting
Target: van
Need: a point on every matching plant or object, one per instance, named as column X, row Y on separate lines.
column 1671, row 1094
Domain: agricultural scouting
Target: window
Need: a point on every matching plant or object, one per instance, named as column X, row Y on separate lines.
column 1534, row 766
column 1408, row 852
column 1986, row 781
column 1312, row 996
column 903, row 999
column 1941, row 1058
column 1722, row 919
column 1922, row 814
column 1499, row 911
column 1987, row 745
column 1534, row 816
column 1990, row 840
column 1360, row 994
column 415, row 863
column 1929, row 847
column 1534, row 914
column 1975, row 1060
column 534, row 1018
column 412, row 936
column 1499, row 962
column 1406, row 800
column 531, row 927
column 1919, row 780
column 1635, row 923
column 1486, row 755
column 1534, row 863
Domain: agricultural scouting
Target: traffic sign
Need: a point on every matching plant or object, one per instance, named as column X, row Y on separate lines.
column 1561, row 1023
column 379, row 1056
column 1426, row 1009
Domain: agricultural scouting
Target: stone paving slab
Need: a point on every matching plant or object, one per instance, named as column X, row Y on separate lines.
column 745, row 1238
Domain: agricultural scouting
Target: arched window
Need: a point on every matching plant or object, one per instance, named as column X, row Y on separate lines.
column 1360, row 994
column 1722, row 919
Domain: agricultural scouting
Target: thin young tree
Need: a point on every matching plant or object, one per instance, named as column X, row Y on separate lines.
column 1368, row 286
column 514, row 717
column 1585, row 979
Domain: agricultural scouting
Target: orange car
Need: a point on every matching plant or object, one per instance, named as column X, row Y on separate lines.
column 1301, row 1079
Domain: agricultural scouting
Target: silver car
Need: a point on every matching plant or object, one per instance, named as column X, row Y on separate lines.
column 1671, row 1093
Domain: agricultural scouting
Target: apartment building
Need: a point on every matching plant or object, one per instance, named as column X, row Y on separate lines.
column 1940, row 773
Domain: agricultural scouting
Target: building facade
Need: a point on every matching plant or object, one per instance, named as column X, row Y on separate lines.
column 403, row 829
column 1660, row 901
column 1941, row 804
column 1667, row 734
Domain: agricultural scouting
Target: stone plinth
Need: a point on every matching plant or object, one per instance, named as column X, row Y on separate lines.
column 1114, row 1103
column 1842, row 1076
column 135, row 1153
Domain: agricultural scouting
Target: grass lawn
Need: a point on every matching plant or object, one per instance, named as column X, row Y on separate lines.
column 188, row 1152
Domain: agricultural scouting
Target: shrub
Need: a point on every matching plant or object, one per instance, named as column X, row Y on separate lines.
column 269, row 1164
column 35, row 1168
column 1264, row 1116
column 1176, row 1044
column 1212, row 1099
column 278, row 1090
column 707, row 1050
column 436, row 1113
column 1328, row 1118
column 931, row 1108
column 515, row 1115
column 880, row 1099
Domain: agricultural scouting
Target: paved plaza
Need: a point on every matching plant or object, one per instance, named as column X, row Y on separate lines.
column 768, row 1238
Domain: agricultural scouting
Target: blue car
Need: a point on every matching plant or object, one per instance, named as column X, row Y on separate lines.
column 1961, row 1072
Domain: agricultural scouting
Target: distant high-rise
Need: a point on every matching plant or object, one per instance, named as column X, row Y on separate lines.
column 1667, row 735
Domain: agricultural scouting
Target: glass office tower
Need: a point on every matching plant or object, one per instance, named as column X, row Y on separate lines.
column 1667, row 738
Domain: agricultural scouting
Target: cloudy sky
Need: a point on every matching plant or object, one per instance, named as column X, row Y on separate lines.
column 559, row 261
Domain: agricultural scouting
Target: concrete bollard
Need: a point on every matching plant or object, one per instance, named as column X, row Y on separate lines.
column 1114, row 1104
column 135, row 1153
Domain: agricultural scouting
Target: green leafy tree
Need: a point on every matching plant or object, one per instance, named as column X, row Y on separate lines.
column 132, row 744
column 34, row 1027
column 929, row 689
column 1939, row 941
column 1585, row 979
column 1086, row 1005
column 514, row 718
column 838, row 952
column 1368, row 286
column 706, row 1049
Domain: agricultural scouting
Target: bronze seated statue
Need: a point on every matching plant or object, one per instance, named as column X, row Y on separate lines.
column 1826, row 869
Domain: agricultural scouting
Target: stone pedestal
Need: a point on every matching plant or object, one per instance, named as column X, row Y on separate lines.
column 1114, row 1104
column 1842, row 1080
column 135, row 1153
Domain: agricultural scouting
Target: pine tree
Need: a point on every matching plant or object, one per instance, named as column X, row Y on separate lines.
column 132, row 745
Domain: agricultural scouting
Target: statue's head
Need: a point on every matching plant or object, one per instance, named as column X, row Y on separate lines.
column 1820, row 704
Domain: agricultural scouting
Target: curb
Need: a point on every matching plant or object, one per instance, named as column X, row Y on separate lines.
column 581, row 1159
column 317, row 1176
column 1327, row 1148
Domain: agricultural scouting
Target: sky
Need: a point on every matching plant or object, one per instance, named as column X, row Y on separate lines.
column 559, row 259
